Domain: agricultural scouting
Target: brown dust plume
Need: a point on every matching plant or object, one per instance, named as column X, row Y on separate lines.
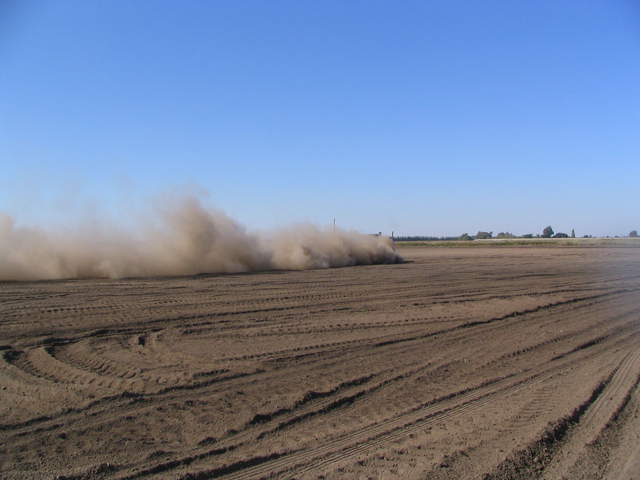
column 185, row 239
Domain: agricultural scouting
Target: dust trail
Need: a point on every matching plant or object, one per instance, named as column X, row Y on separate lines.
column 185, row 239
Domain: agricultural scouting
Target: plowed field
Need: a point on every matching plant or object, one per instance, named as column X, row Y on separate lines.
column 461, row 363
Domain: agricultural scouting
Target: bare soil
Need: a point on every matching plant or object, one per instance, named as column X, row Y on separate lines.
column 488, row 363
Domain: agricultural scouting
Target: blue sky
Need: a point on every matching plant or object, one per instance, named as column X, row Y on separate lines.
column 422, row 117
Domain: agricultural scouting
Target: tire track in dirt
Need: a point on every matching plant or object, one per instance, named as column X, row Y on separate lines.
column 469, row 403
column 372, row 436
column 382, row 433
column 87, row 380
column 599, row 413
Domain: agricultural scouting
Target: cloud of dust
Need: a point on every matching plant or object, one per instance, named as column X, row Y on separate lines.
column 185, row 239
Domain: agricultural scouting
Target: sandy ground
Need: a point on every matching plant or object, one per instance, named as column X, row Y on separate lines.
column 486, row 363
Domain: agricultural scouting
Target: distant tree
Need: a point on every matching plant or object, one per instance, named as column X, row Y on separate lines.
column 547, row 232
column 466, row 236
column 633, row 233
column 527, row 235
column 505, row 235
column 573, row 233
column 484, row 235
column 561, row 235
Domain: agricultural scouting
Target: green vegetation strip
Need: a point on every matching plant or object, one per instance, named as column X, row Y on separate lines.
column 528, row 242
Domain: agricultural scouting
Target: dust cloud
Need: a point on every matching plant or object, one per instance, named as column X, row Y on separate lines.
column 185, row 239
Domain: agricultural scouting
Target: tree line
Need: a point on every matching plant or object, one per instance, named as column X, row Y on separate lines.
column 547, row 232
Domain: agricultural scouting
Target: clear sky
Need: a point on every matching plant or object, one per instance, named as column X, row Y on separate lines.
column 422, row 117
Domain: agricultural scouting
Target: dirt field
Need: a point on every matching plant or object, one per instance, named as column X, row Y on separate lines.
column 461, row 363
